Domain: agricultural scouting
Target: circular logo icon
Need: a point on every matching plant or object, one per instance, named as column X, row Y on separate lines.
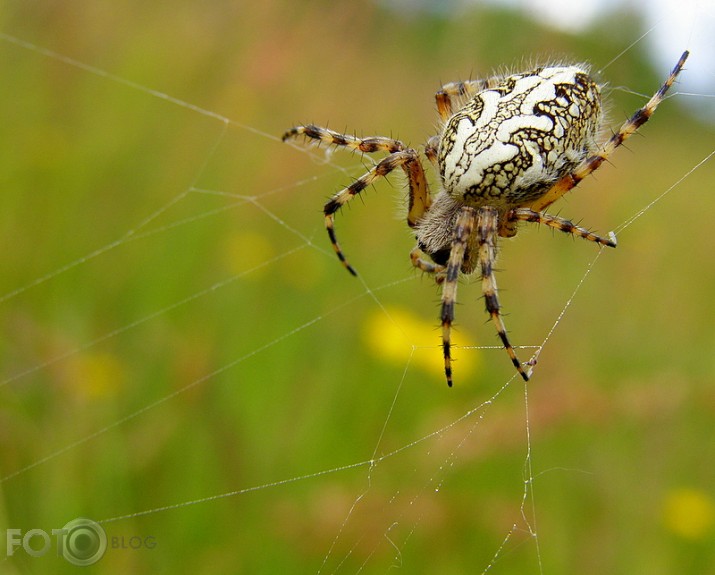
column 84, row 542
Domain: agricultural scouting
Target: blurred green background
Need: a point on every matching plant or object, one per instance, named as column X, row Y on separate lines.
column 175, row 326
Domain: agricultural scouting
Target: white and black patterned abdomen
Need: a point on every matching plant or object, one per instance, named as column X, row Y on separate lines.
column 508, row 143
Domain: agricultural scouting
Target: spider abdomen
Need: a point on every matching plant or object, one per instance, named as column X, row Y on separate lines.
column 508, row 143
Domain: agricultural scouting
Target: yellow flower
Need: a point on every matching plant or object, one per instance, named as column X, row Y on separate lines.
column 689, row 513
column 398, row 336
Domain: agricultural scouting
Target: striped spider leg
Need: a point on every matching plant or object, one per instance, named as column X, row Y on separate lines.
column 400, row 156
column 475, row 230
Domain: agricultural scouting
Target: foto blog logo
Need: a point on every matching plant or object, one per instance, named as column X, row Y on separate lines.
column 81, row 541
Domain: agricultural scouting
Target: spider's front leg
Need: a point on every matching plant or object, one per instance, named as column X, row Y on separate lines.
column 367, row 145
column 400, row 156
column 479, row 227
column 409, row 161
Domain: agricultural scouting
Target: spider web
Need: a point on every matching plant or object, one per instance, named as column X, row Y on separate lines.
column 184, row 360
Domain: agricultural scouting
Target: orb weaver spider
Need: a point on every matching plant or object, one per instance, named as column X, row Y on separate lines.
column 509, row 146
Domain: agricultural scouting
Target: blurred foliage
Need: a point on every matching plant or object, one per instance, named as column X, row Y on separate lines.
column 175, row 327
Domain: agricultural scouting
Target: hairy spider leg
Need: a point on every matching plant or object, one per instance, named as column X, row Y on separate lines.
column 485, row 219
column 458, row 90
column 463, row 232
column 408, row 160
column 367, row 145
column 558, row 223
column 487, row 225
column 427, row 266
column 629, row 127
column 399, row 156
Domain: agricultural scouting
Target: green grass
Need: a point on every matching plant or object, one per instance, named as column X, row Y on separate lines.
column 183, row 344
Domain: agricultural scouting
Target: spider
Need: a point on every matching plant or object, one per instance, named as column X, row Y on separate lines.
column 509, row 146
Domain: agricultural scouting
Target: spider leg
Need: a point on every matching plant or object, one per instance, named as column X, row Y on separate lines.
column 366, row 145
column 566, row 226
column 485, row 219
column 420, row 199
column 408, row 160
column 487, row 225
column 592, row 163
column 432, row 150
column 427, row 266
column 399, row 156
column 459, row 90
column 464, row 228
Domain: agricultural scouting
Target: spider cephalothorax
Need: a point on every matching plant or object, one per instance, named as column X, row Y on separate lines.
column 513, row 145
